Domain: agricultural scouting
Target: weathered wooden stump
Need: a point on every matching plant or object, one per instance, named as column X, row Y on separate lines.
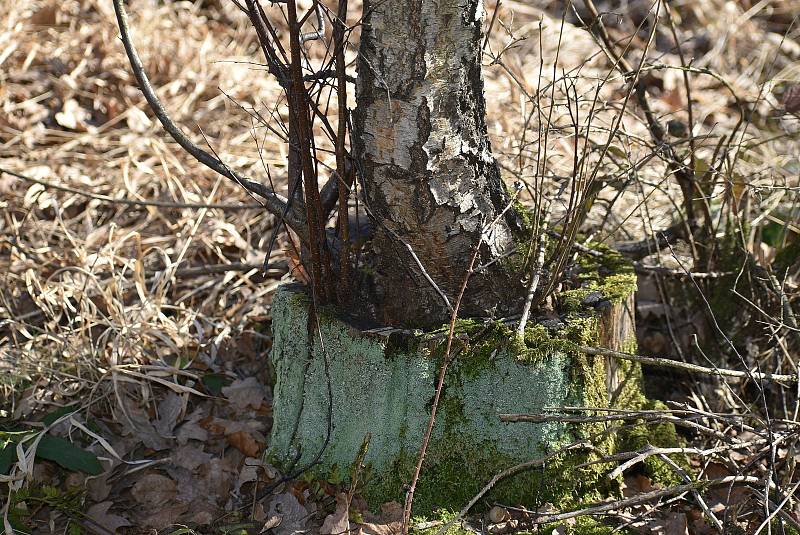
column 347, row 384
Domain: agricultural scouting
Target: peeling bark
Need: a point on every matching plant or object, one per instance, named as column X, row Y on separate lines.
column 429, row 175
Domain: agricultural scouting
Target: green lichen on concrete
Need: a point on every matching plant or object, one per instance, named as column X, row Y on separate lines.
column 383, row 386
column 389, row 397
column 472, row 444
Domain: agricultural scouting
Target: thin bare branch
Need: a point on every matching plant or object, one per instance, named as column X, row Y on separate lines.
column 129, row 202
column 693, row 368
column 275, row 203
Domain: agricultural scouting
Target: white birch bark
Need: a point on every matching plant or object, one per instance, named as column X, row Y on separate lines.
column 430, row 177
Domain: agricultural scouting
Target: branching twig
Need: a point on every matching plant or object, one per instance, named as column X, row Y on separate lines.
column 639, row 499
column 698, row 498
column 508, row 472
column 275, row 204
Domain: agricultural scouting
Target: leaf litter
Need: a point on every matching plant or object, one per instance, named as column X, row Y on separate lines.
column 101, row 317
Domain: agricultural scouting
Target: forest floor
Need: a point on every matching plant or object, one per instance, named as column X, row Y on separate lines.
column 134, row 316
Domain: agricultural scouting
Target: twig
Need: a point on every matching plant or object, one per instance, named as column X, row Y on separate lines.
column 277, row 268
column 536, row 271
column 439, row 385
column 129, row 202
column 679, row 273
column 639, row 499
column 422, row 268
column 343, row 222
column 321, row 281
column 275, row 204
column 660, row 240
column 700, row 501
column 508, row 472
column 778, row 509
column 685, row 366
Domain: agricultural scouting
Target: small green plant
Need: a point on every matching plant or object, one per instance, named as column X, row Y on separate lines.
column 25, row 501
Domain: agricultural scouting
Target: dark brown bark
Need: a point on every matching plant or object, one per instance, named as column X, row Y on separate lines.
column 429, row 175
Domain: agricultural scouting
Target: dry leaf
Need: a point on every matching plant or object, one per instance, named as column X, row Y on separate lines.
column 99, row 514
column 269, row 471
column 673, row 524
column 221, row 426
column 269, row 523
column 498, row 514
column 636, row 484
column 259, row 513
column 244, row 442
column 154, row 490
column 142, row 428
column 791, row 99
column 190, row 457
column 293, row 516
column 247, row 474
column 45, row 15
column 168, row 412
column 215, row 480
column 244, row 393
column 392, row 528
column 338, row 521
column 165, row 516
column 98, row 487
column 192, row 429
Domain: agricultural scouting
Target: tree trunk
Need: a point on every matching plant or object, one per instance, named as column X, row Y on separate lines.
column 429, row 175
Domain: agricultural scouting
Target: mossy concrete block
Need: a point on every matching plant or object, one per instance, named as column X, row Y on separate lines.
column 347, row 384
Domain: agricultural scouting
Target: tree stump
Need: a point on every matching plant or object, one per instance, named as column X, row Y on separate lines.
column 348, row 384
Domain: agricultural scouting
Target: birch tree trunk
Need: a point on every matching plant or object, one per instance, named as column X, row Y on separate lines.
column 429, row 175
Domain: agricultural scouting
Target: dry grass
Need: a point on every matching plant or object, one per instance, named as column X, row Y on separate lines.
column 113, row 306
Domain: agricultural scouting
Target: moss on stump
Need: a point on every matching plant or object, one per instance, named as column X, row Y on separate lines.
column 347, row 383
